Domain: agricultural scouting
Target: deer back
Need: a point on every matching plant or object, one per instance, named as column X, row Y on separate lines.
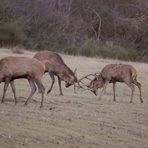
column 20, row 66
column 118, row 72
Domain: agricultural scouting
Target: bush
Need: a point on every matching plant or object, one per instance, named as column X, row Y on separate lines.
column 72, row 50
column 89, row 48
column 117, row 52
column 93, row 49
column 11, row 34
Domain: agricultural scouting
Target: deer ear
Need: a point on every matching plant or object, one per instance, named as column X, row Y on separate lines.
column 96, row 77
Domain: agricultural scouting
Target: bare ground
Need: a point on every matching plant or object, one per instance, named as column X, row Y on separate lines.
column 75, row 121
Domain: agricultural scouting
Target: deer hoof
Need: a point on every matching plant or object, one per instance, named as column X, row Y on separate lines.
column 2, row 101
column 48, row 91
column 41, row 106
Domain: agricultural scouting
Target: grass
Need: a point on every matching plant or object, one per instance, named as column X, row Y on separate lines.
column 75, row 121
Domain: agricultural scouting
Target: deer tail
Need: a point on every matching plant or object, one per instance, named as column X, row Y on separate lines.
column 133, row 73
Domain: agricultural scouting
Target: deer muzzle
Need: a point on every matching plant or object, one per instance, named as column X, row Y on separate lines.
column 67, row 84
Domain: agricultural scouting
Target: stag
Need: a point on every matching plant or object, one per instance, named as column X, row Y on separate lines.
column 12, row 68
column 55, row 66
column 113, row 73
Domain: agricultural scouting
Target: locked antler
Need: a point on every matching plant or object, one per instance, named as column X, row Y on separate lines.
column 88, row 78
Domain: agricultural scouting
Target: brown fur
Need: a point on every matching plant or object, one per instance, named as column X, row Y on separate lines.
column 113, row 73
column 55, row 66
column 12, row 68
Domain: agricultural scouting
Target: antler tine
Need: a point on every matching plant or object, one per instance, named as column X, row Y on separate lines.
column 78, row 87
column 86, row 77
column 97, row 73
column 81, row 87
column 83, row 84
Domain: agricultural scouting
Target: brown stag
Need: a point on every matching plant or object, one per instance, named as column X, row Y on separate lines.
column 113, row 73
column 55, row 66
column 12, row 68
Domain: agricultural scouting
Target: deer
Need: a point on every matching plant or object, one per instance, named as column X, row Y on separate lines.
column 12, row 68
column 55, row 66
column 113, row 73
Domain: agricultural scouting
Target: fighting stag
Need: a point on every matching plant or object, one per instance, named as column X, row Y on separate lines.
column 113, row 73
column 55, row 66
column 12, row 68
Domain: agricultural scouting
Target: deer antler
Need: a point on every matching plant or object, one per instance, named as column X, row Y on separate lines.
column 87, row 77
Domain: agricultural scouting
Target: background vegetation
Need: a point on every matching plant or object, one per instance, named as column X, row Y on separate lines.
column 106, row 28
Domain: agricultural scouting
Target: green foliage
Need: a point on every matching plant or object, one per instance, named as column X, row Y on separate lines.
column 72, row 50
column 11, row 33
column 93, row 49
column 117, row 52
column 89, row 48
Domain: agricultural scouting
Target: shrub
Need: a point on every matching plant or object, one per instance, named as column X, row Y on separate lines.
column 117, row 52
column 89, row 48
column 71, row 50
column 93, row 49
column 11, row 33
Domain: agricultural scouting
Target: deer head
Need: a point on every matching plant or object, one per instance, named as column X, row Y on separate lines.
column 68, row 76
column 73, row 79
column 96, row 83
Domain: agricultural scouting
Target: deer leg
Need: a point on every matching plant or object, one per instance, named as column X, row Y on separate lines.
column 33, row 90
column 132, row 89
column 103, row 90
column 75, row 88
column 7, row 81
column 41, row 89
column 114, row 88
column 53, row 80
column 13, row 90
column 60, row 88
column 139, row 86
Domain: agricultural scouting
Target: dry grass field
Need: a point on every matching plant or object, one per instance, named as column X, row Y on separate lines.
column 75, row 120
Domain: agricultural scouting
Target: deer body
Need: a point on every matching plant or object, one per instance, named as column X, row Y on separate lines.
column 12, row 68
column 113, row 73
column 55, row 66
